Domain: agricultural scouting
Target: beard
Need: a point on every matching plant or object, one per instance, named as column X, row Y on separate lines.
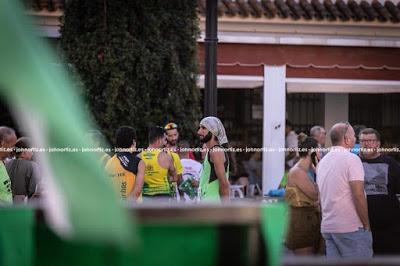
column 206, row 138
column 172, row 142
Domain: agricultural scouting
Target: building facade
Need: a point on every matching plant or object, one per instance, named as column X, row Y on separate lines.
column 342, row 61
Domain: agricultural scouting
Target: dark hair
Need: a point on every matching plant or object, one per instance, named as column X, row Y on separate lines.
column 21, row 144
column 369, row 130
column 184, row 144
column 307, row 145
column 156, row 133
column 124, row 137
column 357, row 131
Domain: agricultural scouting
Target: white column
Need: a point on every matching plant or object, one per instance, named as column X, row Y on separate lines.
column 336, row 110
column 274, row 107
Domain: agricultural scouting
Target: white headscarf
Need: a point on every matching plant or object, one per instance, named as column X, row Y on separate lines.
column 215, row 126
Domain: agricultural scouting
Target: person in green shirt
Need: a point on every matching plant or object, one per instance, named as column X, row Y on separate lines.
column 214, row 184
column 7, row 142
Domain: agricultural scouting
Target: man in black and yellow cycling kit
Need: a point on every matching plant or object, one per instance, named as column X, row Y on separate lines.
column 125, row 166
column 159, row 171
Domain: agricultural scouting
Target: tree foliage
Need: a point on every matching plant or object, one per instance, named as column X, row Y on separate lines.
column 137, row 61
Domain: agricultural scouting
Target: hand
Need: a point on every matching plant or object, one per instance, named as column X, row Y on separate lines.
column 195, row 183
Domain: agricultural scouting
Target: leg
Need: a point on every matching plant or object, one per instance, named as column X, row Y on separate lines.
column 332, row 250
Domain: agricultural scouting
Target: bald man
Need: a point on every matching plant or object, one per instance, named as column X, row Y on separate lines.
column 340, row 178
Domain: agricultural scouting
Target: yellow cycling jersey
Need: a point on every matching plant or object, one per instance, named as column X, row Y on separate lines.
column 122, row 179
column 177, row 163
column 155, row 177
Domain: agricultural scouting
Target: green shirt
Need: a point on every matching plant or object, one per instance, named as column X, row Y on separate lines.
column 210, row 190
column 5, row 186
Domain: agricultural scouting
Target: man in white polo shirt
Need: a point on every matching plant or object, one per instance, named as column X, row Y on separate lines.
column 340, row 178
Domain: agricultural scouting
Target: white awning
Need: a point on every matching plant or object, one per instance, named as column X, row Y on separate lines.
column 235, row 82
column 309, row 85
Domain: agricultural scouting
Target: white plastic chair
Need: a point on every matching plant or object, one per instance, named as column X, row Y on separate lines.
column 236, row 189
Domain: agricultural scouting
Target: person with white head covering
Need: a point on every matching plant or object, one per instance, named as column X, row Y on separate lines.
column 214, row 184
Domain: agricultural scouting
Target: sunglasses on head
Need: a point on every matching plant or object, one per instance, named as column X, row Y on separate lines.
column 170, row 126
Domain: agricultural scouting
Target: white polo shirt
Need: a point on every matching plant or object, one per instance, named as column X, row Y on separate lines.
column 334, row 172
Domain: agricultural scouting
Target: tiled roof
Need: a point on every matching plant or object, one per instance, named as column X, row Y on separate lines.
column 318, row 10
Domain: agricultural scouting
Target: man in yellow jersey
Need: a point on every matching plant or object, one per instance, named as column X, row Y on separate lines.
column 125, row 166
column 159, row 169
column 214, row 184
column 171, row 130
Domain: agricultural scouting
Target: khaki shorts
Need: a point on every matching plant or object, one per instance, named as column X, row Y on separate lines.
column 304, row 229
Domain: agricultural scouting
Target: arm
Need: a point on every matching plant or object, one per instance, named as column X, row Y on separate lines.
column 178, row 167
column 137, row 190
column 179, row 178
column 173, row 177
column 218, row 159
column 360, row 202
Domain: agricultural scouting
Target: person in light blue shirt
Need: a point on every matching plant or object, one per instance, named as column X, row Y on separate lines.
column 357, row 146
